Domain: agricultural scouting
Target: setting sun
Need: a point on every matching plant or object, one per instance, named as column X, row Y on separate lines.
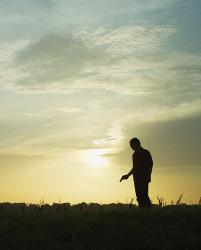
column 96, row 158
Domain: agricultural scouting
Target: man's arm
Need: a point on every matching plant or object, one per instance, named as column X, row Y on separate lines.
column 126, row 176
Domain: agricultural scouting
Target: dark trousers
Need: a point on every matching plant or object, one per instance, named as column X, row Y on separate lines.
column 141, row 190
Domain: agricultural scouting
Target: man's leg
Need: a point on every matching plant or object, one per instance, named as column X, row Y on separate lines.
column 144, row 193
column 138, row 191
column 141, row 190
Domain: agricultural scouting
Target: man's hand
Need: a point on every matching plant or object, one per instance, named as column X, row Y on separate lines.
column 124, row 177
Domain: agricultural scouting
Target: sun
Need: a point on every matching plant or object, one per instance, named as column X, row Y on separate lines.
column 96, row 158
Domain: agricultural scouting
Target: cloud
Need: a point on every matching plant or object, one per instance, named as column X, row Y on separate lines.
column 125, row 74
column 51, row 113
column 66, row 110
column 127, row 40
column 37, row 115
column 58, row 64
column 106, row 58
column 172, row 143
column 9, row 74
column 52, row 60
column 94, row 13
column 111, row 59
column 178, row 139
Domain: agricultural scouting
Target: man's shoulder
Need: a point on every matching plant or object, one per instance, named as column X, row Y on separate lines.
column 144, row 150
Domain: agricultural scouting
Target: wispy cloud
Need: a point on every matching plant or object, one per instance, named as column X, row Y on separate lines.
column 127, row 40
column 65, row 110
column 103, row 58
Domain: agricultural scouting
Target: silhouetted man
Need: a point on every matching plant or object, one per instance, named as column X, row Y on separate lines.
column 141, row 171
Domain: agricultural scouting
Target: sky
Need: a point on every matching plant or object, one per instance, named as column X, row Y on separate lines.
column 79, row 79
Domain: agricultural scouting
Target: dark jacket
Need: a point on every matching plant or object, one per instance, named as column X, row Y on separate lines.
column 142, row 164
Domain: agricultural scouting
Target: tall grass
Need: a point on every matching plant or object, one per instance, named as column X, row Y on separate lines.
column 92, row 226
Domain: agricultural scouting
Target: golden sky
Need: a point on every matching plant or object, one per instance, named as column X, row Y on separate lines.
column 79, row 79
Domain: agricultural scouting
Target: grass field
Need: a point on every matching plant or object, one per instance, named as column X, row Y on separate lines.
column 94, row 226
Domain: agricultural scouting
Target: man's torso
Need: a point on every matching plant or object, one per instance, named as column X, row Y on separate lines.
column 142, row 164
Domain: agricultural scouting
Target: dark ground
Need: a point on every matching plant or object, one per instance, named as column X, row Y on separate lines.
column 104, row 227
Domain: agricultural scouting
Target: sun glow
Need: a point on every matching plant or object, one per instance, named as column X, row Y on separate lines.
column 96, row 158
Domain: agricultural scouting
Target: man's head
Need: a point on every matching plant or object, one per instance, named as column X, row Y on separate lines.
column 135, row 143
